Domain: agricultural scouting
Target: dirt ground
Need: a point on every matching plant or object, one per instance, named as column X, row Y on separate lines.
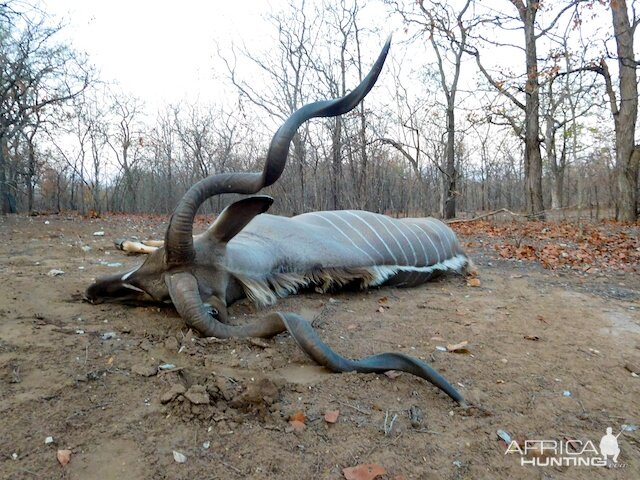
column 549, row 357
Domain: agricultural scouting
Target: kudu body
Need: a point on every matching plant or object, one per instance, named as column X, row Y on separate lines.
column 246, row 252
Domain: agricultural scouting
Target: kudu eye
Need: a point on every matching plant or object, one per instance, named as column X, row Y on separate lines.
column 211, row 310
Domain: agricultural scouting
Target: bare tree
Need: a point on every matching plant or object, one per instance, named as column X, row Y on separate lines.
column 526, row 19
column 36, row 72
column 624, row 106
column 416, row 134
column 286, row 72
column 126, row 140
column 166, row 155
column 447, row 31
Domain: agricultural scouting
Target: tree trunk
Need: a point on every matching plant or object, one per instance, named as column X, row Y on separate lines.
column 449, row 185
column 557, row 192
column 533, row 157
column 557, row 167
column 627, row 157
column 5, row 207
column 31, row 174
column 300, row 154
column 336, row 165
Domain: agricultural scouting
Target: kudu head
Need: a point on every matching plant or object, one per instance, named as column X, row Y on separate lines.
column 184, row 273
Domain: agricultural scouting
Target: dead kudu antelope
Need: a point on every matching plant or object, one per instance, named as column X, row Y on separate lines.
column 248, row 253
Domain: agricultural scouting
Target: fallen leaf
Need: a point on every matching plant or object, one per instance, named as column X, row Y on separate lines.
column 331, row 416
column 367, row 471
column 383, row 300
column 381, row 309
column 297, row 425
column 392, row 373
column 63, row 456
column 533, row 338
column 473, row 282
column 458, row 347
column 297, row 417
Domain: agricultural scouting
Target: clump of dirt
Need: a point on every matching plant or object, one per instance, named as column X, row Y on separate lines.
column 224, row 398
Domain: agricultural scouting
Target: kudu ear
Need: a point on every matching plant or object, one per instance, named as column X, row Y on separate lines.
column 237, row 215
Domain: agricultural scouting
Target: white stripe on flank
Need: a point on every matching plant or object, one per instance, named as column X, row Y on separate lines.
column 424, row 250
column 395, row 225
column 374, row 232
column 437, row 226
column 379, row 219
column 448, row 233
column 343, row 234
column 435, row 234
column 423, row 232
column 360, row 234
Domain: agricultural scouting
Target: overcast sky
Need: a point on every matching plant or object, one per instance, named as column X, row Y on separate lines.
column 159, row 50
column 165, row 51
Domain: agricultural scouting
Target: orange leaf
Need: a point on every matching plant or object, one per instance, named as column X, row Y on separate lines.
column 473, row 282
column 297, row 417
column 297, row 425
column 331, row 416
column 367, row 471
column 63, row 456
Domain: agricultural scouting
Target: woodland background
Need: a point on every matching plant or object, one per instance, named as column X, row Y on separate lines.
column 524, row 105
